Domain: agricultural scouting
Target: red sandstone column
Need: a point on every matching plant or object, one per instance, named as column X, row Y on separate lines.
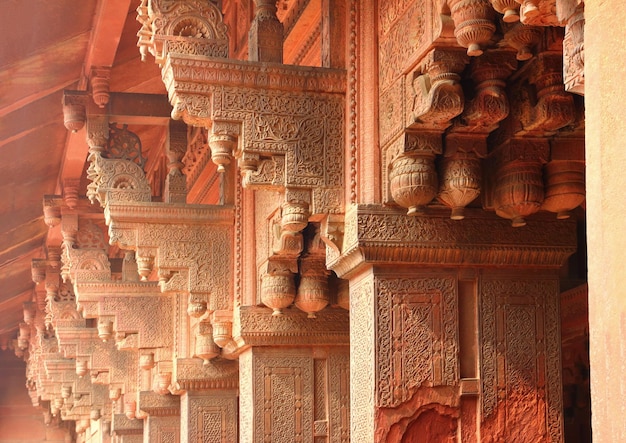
column 605, row 94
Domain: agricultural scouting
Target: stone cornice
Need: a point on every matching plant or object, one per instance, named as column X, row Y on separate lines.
column 380, row 235
column 258, row 327
column 194, row 74
column 159, row 405
column 122, row 425
column 147, row 212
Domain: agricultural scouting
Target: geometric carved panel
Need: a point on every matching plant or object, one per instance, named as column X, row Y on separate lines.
column 211, row 416
column 520, row 359
column 417, row 338
column 295, row 395
column 283, row 398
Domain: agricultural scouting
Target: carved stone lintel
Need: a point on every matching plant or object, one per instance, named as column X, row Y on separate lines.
column 378, row 235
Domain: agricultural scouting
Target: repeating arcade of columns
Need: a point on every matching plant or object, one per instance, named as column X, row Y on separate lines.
column 453, row 318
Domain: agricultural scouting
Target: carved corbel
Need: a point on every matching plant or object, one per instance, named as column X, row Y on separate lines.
column 565, row 177
column 523, row 38
column 413, row 176
column 473, row 22
column 313, row 291
column 119, row 178
column 490, row 103
column 555, row 107
column 99, row 80
column 205, row 347
column 438, row 94
column 510, row 9
column 223, row 143
column 75, row 110
column 52, row 210
column 175, row 148
column 278, row 288
column 538, row 12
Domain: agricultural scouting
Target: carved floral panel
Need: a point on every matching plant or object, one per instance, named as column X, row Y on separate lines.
column 417, row 336
column 520, row 358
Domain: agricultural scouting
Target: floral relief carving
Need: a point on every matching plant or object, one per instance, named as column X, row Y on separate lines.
column 417, row 339
column 519, row 325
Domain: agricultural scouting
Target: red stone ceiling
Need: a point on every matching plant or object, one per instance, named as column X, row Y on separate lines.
column 46, row 47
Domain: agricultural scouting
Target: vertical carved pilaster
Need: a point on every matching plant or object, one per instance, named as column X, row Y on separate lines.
column 265, row 42
column 520, row 358
column 572, row 13
column 404, row 346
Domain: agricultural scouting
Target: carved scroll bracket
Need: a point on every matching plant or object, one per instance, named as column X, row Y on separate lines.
column 438, row 96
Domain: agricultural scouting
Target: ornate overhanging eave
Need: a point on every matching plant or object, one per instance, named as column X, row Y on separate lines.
column 380, row 235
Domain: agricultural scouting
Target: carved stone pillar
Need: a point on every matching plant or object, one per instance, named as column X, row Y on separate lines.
column 209, row 416
column 416, row 363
